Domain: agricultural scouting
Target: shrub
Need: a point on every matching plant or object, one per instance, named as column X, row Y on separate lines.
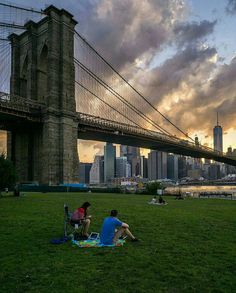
column 152, row 187
column 7, row 173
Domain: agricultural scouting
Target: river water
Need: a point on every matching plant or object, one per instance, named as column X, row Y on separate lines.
column 195, row 190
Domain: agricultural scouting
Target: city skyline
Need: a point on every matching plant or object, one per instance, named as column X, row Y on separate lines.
column 180, row 54
column 130, row 166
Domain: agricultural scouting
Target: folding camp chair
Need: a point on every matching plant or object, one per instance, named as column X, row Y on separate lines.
column 70, row 228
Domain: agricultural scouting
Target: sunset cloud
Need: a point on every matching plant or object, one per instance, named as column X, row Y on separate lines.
column 189, row 33
column 132, row 28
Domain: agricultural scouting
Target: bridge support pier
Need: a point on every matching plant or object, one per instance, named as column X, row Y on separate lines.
column 59, row 150
column 21, row 150
column 46, row 153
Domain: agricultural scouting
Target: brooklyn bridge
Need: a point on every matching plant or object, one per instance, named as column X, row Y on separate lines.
column 56, row 88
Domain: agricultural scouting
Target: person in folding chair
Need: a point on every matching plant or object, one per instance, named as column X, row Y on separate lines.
column 80, row 217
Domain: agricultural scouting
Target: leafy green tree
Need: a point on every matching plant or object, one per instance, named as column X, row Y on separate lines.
column 152, row 187
column 7, row 173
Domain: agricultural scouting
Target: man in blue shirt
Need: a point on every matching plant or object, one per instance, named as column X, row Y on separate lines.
column 109, row 235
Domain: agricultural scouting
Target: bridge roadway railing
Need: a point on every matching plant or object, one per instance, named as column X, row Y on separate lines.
column 19, row 106
column 96, row 121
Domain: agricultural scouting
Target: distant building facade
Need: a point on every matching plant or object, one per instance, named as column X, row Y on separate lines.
column 128, row 170
column 96, row 175
column 84, row 170
column 109, row 162
column 136, row 167
column 214, row 172
column 129, row 152
column 182, row 167
column 133, row 155
column 143, row 167
column 121, row 165
column 205, row 170
column 157, row 165
column 195, row 173
column 172, row 167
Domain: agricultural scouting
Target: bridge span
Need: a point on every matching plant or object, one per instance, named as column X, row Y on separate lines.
column 96, row 128
column 15, row 110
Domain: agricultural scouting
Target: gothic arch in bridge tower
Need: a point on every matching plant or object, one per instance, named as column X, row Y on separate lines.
column 42, row 74
column 24, row 78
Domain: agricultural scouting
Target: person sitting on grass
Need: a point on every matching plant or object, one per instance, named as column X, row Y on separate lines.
column 80, row 216
column 161, row 200
column 109, row 235
column 154, row 200
column 179, row 196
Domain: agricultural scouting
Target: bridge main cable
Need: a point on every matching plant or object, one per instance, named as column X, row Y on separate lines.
column 22, row 8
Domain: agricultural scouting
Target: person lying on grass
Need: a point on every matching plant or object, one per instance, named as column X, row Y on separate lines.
column 109, row 235
column 80, row 216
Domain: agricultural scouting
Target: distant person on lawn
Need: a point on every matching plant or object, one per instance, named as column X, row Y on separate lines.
column 161, row 200
column 154, row 199
column 109, row 235
column 80, row 216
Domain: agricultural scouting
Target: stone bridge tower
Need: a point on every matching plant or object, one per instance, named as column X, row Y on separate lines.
column 43, row 70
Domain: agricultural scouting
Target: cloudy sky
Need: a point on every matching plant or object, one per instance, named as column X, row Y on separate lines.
column 181, row 54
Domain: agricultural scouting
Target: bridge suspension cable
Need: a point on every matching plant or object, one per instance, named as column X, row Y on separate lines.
column 120, row 97
column 22, row 8
column 12, row 19
column 113, row 108
column 11, row 25
column 128, row 83
column 5, row 62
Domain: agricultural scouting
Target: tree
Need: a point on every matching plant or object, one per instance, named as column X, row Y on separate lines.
column 7, row 173
column 153, row 186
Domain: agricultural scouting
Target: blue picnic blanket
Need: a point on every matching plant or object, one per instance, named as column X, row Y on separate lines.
column 95, row 243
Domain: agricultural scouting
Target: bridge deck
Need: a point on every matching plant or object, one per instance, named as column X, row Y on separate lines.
column 15, row 108
column 96, row 128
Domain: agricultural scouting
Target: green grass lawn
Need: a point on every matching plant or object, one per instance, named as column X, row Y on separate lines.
column 186, row 246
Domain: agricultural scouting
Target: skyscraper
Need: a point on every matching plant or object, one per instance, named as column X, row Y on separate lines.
column 218, row 139
column 143, row 167
column 136, row 166
column 84, row 170
column 157, row 165
column 129, row 152
column 121, row 163
column 172, row 167
column 96, row 175
column 123, row 150
column 109, row 161
column 182, row 167
column 214, row 172
column 133, row 157
column 128, row 170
